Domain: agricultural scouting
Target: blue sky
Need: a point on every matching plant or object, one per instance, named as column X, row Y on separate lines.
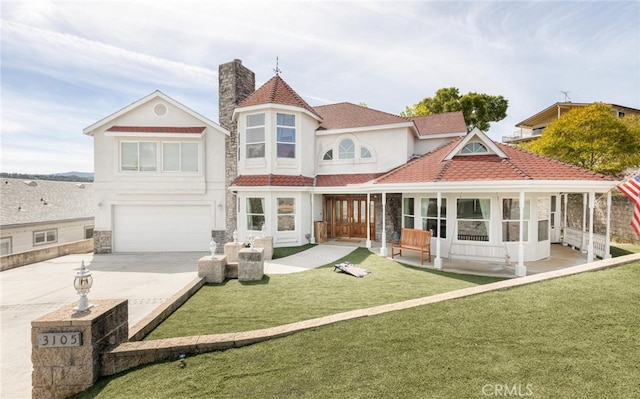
column 68, row 64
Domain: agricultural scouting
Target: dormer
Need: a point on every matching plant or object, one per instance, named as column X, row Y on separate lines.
column 473, row 144
column 276, row 131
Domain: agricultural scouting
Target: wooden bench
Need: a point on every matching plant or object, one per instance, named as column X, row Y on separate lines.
column 413, row 240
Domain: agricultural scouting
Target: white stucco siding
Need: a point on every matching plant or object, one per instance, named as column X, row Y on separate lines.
column 162, row 228
column 388, row 148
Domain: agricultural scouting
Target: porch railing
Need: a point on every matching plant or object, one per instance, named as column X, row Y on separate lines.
column 580, row 240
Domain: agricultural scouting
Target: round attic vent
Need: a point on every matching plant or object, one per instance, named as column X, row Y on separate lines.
column 160, row 109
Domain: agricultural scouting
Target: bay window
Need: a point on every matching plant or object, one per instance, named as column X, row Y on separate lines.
column 255, row 136
column 473, row 219
column 286, row 214
column 430, row 219
column 511, row 219
column 286, row 135
column 255, row 214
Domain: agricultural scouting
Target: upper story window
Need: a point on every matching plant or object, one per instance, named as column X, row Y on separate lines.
column 474, row 148
column 255, row 136
column 139, row 156
column 180, row 157
column 286, row 135
column 328, row 156
column 365, row 153
column 346, row 149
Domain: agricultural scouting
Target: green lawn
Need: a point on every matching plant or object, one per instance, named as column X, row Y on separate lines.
column 574, row 337
column 280, row 299
column 624, row 249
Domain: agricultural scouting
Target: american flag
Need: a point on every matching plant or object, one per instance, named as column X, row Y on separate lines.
column 631, row 188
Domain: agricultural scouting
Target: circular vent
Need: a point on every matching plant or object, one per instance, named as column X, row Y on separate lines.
column 160, row 109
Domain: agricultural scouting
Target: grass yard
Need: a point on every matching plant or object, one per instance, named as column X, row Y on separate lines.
column 574, row 337
column 279, row 299
column 624, row 249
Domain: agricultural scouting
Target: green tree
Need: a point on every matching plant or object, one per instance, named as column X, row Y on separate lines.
column 593, row 138
column 478, row 109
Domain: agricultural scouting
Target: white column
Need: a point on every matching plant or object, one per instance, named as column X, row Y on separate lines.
column 521, row 269
column 564, row 219
column 383, row 247
column 607, row 239
column 583, row 245
column 312, row 240
column 368, row 242
column 592, row 204
column 437, row 263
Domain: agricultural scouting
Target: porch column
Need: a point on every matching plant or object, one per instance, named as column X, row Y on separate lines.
column 383, row 247
column 521, row 269
column 437, row 263
column 583, row 245
column 368, row 242
column 564, row 219
column 312, row 240
column 607, row 238
column 592, row 203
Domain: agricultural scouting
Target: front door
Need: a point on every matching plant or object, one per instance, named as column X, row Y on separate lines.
column 347, row 216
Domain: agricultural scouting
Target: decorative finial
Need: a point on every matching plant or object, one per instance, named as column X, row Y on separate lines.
column 277, row 70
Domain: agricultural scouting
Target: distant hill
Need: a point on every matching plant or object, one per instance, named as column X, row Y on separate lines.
column 67, row 176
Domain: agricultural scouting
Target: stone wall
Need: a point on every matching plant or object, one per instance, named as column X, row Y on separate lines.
column 235, row 83
column 621, row 212
column 102, row 241
column 38, row 255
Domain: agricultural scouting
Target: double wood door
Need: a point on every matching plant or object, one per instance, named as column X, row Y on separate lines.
column 346, row 216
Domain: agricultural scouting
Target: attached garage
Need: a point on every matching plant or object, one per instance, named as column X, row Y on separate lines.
column 167, row 228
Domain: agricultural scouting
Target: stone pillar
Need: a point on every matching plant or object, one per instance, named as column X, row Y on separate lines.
column 102, row 241
column 267, row 244
column 212, row 268
column 66, row 346
column 235, row 83
column 251, row 264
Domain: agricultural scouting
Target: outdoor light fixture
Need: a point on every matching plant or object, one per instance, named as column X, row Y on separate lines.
column 82, row 283
column 235, row 235
column 212, row 247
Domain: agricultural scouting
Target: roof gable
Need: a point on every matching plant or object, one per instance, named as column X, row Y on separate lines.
column 347, row 115
column 277, row 91
column 475, row 136
column 156, row 95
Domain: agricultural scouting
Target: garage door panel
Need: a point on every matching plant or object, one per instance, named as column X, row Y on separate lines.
column 161, row 228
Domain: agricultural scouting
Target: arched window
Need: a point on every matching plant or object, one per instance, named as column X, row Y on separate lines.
column 346, row 149
column 474, row 148
column 365, row 153
column 328, row 156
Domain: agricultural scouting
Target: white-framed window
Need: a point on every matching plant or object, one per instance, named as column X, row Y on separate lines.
column 365, row 153
column 346, row 149
column 139, row 156
column 179, row 157
column 88, row 232
column 285, row 135
column 545, row 208
column 328, row 156
column 255, row 213
column 286, row 214
column 430, row 219
column 473, row 219
column 5, row 245
column 45, row 237
column 511, row 219
column 474, row 148
column 255, row 136
column 408, row 213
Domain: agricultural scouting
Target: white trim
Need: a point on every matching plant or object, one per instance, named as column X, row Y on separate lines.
column 364, row 128
column 155, row 135
column 272, row 106
column 484, row 139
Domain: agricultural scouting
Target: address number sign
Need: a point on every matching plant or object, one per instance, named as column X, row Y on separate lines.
column 59, row 340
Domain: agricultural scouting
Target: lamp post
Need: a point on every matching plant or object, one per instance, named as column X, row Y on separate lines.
column 82, row 283
column 212, row 247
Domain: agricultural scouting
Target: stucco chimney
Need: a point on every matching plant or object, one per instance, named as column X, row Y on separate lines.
column 235, row 83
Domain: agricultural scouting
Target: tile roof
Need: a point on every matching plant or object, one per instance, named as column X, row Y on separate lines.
column 347, row 115
column 44, row 201
column 520, row 165
column 449, row 122
column 273, row 180
column 345, row 179
column 276, row 91
column 157, row 129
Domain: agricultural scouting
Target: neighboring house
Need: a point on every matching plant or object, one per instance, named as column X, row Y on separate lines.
column 359, row 172
column 532, row 127
column 38, row 214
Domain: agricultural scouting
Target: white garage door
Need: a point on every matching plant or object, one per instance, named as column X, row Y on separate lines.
column 161, row 228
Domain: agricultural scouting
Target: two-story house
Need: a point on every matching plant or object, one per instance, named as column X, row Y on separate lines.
column 169, row 179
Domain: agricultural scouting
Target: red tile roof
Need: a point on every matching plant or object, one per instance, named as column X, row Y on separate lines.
column 449, row 122
column 344, row 180
column 347, row 115
column 157, row 129
column 276, row 91
column 273, row 180
column 520, row 165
